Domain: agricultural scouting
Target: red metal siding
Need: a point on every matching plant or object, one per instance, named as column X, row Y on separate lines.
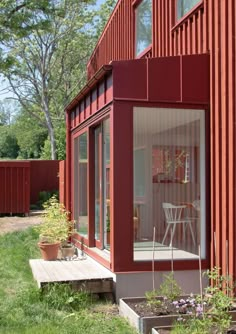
column 44, row 176
column 62, row 180
column 221, row 17
column 100, row 94
column 209, row 28
column 117, row 41
column 114, row 43
column 14, row 187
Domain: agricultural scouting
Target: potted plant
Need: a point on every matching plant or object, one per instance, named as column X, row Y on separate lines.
column 54, row 230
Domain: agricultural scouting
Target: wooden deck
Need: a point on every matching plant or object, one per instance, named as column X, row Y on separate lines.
column 83, row 274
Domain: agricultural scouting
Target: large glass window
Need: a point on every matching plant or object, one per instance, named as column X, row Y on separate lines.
column 184, row 6
column 102, row 184
column 169, row 183
column 143, row 26
column 80, row 184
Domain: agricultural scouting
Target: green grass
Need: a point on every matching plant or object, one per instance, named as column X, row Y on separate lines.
column 24, row 309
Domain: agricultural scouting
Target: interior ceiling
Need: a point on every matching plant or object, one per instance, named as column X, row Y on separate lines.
column 160, row 120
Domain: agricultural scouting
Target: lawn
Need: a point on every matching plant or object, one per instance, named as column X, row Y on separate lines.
column 24, row 309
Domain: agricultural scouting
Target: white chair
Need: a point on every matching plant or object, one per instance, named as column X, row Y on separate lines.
column 175, row 215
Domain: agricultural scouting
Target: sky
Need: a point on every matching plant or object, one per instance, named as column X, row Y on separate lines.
column 3, row 94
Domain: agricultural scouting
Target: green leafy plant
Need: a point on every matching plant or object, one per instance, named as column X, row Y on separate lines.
column 151, row 297
column 44, row 196
column 56, row 226
column 170, row 288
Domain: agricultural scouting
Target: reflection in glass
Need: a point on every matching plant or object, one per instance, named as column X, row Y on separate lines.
column 83, row 174
column 98, row 171
column 184, row 6
column 143, row 26
column 102, row 184
column 106, row 160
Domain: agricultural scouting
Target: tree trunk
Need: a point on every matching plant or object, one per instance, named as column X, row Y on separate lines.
column 53, row 143
column 49, row 126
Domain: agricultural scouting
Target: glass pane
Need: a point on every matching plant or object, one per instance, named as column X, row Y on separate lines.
column 169, row 181
column 76, row 182
column 106, row 159
column 83, row 174
column 184, row 6
column 97, row 134
column 143, row 26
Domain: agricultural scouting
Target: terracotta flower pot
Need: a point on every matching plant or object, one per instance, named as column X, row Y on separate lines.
column 49, row 252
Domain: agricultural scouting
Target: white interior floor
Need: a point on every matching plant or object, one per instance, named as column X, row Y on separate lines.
column 146, row 251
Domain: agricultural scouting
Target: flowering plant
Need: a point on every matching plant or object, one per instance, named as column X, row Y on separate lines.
column 208, row 312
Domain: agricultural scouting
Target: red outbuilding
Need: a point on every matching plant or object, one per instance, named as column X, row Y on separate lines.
column 151, row 158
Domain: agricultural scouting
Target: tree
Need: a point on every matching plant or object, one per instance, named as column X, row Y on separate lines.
column 46, row 46
column 16, row 20
column 30, row 136
column 103, row 15
column 41, row 74
column 8, row 143
column 8, row 110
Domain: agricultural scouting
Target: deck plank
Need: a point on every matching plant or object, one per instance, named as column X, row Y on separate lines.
column 87, row 273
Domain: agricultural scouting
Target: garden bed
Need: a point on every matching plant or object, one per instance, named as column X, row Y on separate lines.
column 144, row 317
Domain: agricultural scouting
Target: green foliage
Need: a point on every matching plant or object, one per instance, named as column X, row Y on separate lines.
column 62, row 297
column 8, row 143
column 49, row 60
column 30, row 136
column 169, row 288
column 60, row 137
column 151, row 297
column 44, row 196
column 212, row 312
column 25, row 310
column 193, row 326
column 103, row 15
column 46, row 150
column 56, row 225
column 45, row 48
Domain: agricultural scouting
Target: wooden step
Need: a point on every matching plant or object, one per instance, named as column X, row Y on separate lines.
column 83, row 274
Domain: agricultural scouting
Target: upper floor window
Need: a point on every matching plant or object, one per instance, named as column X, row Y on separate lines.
column 184, row 6
column 143, row 16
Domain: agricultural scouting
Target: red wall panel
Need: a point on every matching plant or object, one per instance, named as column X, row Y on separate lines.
column 14, row 187
column 44, row 175
column 164, row 79
column 62, row 180
column 130, row 79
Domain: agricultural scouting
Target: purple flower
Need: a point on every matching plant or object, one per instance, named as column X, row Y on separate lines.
column 199, row 309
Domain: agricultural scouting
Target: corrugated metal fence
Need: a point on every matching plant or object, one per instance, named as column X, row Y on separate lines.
column 14, row 187
column 22, row 181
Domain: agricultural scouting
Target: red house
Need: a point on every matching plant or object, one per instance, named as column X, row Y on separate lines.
column 151, row 143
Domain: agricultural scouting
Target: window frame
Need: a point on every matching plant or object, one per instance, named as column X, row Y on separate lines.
column 136, row 4
column 76, row 192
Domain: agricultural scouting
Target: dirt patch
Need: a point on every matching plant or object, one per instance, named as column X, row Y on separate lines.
column 17, row 223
